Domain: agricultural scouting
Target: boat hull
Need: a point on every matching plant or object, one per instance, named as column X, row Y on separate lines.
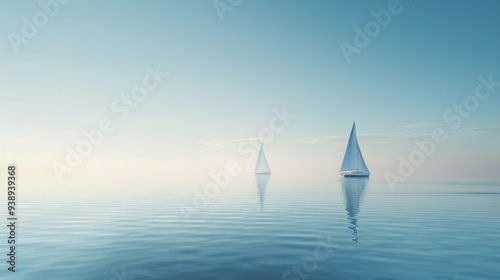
column 356, row 175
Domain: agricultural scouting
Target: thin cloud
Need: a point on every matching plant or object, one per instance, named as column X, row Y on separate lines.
column 371, row 138
column 394, row 137
column 488, row 130
column 334, row 138
column 375, row 138
column 479, row 130
column 418, row 125
column 228, row 142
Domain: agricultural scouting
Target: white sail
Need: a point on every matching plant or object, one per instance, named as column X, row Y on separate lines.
column 261, row 166
column 353, row 159
column 362, row 164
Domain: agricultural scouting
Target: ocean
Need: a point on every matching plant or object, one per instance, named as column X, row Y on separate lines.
column 264, row 227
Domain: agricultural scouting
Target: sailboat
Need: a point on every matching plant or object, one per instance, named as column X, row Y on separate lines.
column 354, row 165
column 261, row 167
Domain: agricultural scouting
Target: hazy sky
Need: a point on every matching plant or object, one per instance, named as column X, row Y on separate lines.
column 227, row 76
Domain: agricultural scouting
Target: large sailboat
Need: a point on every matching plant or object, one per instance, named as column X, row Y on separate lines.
column 261, row 167
column 354, row 165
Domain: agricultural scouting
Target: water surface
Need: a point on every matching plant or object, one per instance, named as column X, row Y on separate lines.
column 266, row 228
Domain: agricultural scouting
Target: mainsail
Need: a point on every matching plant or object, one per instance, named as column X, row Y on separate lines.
column 261, row 166
column 353, row 159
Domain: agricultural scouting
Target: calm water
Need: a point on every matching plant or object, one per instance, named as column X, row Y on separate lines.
column 267, row 228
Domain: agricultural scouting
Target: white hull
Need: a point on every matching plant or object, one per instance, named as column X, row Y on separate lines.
column 355, row 174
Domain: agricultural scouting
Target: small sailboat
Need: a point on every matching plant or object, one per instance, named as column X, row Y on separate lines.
column 354, row 165
column 261, row 167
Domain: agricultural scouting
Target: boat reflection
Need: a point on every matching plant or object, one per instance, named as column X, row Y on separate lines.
column 353, row 189
column 261, row 181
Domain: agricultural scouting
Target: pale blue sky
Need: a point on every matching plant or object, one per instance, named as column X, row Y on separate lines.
column 226, row 77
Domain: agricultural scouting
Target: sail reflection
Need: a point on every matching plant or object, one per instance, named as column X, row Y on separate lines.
column 261, row 181
column 353, row 189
